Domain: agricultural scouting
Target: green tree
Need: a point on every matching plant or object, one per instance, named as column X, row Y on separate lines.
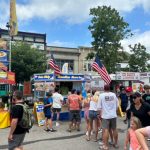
column 26, row 61
column 107, row 29
column 138, row 61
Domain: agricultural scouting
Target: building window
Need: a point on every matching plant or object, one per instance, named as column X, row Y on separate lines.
column 87, row 65
column 60, row 63
column 29, row 39
column 18, row 38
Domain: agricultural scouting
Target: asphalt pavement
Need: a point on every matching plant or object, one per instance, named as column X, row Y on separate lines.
column 38, row 139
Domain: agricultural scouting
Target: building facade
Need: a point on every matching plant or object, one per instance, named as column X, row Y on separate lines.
column 37, row 40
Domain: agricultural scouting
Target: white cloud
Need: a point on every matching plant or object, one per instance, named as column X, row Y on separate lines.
column 61, row 44
column 142, row 38
column 3, row 13
column 72, row 11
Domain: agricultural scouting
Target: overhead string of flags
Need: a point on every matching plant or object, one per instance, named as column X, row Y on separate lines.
column 100, row 68
column 54, row 66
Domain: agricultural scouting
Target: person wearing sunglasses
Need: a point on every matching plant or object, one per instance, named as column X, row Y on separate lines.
column 140, row 109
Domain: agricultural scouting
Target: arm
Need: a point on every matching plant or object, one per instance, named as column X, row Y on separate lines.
column 48, row 105
column 12, row 128
column 140, row 134
column 127, row 140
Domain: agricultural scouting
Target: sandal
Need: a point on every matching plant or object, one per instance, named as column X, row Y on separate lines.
column 95, row 140
column 69, row 130
column 116, row 146
column 103, row 147
column 88, row 139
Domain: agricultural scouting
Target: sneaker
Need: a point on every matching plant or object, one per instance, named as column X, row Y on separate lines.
column 100, row 130
column 69, row 130
column 52, row 130
column 87, row 133
column 100, row 143
column 47, row 130
column 111, row 143
column 57, row 124
column 125, row 121
column 78, row 129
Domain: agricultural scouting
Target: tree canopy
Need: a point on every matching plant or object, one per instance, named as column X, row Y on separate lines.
column 26, row 61
column 107, row 29
column 138, row 61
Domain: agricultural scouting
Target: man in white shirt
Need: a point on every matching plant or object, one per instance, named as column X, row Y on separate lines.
column 57, row 103
column 108, row 105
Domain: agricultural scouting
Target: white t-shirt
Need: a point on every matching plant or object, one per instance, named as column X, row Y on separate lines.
column 93, row 106
column 108, row 103
column 57, row 98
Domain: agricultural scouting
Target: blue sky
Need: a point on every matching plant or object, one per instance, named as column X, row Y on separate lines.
column 66, row 21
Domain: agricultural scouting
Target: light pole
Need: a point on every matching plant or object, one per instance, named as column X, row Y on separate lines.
column 9, row 86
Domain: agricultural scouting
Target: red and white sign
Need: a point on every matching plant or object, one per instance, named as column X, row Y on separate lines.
column 127, row 76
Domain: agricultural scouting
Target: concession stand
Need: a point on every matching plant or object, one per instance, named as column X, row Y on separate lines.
column 44, row 83
column 6, row 79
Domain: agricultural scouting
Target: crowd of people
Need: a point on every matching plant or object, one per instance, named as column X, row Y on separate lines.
column 100, row 113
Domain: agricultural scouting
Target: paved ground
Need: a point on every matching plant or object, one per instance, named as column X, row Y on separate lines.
column 38, row 139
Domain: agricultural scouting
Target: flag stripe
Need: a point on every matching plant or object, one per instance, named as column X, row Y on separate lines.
column 100, row 68
column 54, row 66
column 101, row 72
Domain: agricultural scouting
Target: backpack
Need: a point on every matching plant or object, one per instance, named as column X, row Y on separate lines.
column 26, row 121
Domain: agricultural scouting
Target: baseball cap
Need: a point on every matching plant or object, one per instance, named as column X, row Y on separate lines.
column 128, row 89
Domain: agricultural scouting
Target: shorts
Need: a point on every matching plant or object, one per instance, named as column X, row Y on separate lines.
column 75, row 115
column 109, row 123
column 48, row 116
column 54, row 110
column 17, row 141
column 93, row 114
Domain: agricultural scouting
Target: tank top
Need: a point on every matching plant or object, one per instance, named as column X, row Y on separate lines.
column 134, row 144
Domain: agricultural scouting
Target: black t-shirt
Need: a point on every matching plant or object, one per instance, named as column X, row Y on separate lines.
column 17, row 112
column 142, row 113
column 146, row 98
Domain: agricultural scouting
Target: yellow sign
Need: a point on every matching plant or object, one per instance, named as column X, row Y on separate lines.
column 39, row 113
column 3, row 75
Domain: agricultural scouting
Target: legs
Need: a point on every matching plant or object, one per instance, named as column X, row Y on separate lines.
column 90, row 128
column 115, row 135
column 109, row 127
column 46, row 123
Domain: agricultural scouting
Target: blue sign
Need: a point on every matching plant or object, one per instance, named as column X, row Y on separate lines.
column 43, row 77
column 62, row 77
column 69, row 77
column 4, row 55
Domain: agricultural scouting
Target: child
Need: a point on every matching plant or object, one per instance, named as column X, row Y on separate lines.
column 86, row 105
column 131, row 136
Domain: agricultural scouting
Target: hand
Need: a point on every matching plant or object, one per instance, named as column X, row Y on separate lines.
column 10, row 137
column 125, row 148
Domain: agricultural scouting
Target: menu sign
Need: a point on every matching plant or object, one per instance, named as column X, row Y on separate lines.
column 127, row 76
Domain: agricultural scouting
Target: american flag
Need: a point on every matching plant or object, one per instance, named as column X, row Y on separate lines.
column 53, row 65
column 100, row 68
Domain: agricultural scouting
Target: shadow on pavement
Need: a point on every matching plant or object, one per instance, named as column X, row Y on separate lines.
column 57, row 138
